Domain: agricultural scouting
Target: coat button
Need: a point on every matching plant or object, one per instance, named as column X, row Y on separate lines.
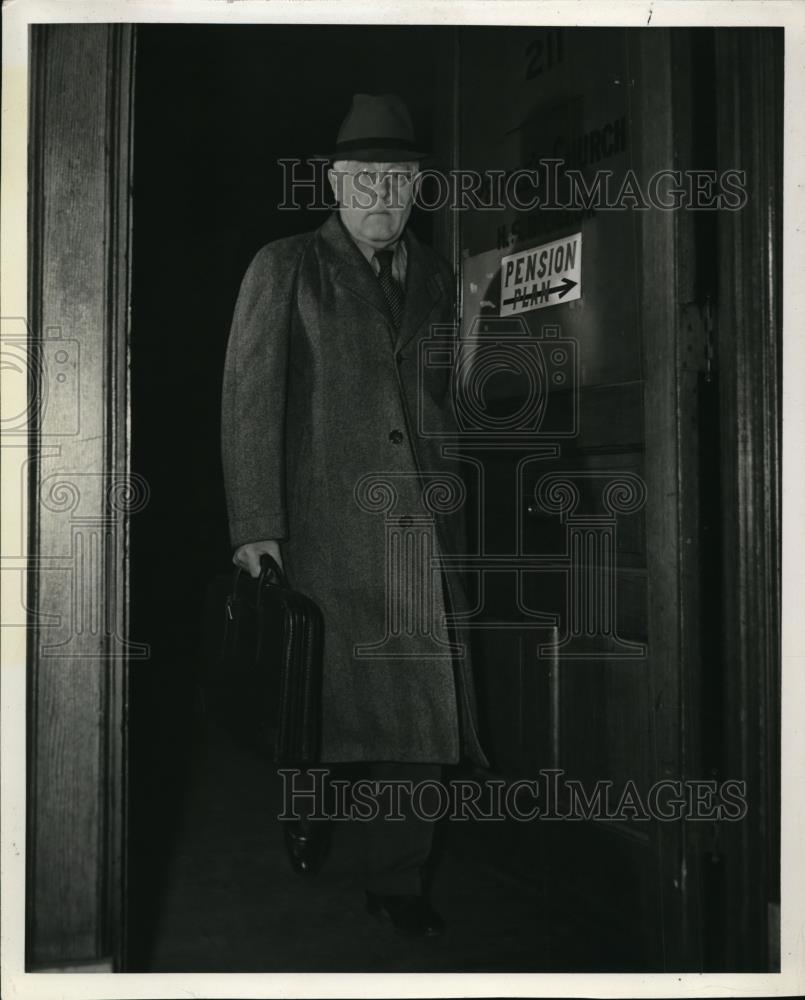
column 399, row 358
column 396, row 436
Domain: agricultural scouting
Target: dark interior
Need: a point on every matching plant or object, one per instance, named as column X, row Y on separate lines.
column 215, row 109
column 624, row 526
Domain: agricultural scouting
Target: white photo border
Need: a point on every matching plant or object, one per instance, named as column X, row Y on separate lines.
column 17, row 16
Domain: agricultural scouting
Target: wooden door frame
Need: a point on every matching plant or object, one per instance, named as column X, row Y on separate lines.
column 749, row 67
column 650, row 79
column 81, row 493
column 738, row 333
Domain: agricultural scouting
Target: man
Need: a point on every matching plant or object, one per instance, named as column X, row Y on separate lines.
column 333, row 465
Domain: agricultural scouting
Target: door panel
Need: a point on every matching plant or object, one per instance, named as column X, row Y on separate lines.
column 594, row 511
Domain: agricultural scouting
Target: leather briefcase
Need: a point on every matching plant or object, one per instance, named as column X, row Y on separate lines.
column 267, row 683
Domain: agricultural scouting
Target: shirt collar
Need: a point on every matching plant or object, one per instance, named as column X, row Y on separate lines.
column 367, row 250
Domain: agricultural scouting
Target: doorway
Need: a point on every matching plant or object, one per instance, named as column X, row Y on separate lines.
column 216, row 109
column 197, row 223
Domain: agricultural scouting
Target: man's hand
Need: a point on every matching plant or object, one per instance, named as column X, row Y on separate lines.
column 248, row 556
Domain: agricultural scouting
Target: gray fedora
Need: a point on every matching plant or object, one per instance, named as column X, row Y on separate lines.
column 378, row 129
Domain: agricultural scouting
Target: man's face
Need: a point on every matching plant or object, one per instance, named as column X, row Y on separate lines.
column 374, row 199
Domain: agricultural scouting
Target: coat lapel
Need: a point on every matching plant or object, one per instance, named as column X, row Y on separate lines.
column 423, row 289
column 423, row 286
column 351, row 269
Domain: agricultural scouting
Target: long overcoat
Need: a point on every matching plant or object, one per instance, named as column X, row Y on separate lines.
column 333, row 423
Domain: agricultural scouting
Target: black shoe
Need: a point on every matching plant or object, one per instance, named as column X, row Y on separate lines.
column 306, row 845
column 412, row 916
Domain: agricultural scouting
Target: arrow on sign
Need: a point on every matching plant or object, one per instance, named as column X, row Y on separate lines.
column 566, row 285
column 537, row 294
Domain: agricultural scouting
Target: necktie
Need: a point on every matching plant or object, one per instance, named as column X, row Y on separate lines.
column 391, row 289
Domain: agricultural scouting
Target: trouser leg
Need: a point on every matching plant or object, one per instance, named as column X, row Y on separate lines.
column 397, row 849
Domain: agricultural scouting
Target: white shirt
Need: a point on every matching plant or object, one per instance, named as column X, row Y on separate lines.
column 399, row 262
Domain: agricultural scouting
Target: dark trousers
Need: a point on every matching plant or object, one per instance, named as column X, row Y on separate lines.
column 397, row 850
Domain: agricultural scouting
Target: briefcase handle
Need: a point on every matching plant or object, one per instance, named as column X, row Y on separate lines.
column 270, row 571
column 270, row 567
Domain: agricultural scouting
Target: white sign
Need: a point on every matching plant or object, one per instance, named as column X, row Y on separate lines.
column 542, row 276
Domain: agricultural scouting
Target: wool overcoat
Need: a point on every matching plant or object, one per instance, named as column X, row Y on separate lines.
column 333, row 423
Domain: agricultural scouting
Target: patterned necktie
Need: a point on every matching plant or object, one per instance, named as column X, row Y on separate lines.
column 391, row 289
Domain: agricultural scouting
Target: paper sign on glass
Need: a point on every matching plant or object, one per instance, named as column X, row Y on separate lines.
column 541, row 276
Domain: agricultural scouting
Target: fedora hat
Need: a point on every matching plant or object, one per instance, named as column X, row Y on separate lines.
column 377, row 129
